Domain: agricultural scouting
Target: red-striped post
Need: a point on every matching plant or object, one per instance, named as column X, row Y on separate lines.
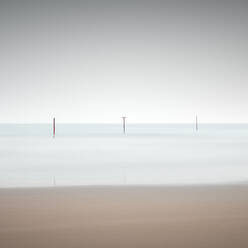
column 54, row 128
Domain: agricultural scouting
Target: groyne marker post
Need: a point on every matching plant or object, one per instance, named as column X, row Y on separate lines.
column 54, row 128
column 124, row 124
column 196, row 123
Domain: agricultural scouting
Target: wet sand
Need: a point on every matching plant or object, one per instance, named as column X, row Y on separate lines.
column 128, row 216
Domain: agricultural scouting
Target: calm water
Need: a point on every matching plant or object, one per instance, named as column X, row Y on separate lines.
column 69, row 130
column 101, row 155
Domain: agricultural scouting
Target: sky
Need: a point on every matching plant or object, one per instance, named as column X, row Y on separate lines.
column 93, row 61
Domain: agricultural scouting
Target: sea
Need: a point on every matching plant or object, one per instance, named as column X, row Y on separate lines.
column 101, row 154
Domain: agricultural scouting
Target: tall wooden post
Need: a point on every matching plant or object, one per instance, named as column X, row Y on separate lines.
column 124, row 124
column 196, row 123
column 54, row 128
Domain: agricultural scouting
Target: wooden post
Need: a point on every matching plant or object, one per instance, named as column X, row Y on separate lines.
column 54, row 128
column 124, row 124
column 196, row 123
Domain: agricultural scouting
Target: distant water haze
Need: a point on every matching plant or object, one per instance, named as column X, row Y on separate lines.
column 103, row 129
column 100, row 154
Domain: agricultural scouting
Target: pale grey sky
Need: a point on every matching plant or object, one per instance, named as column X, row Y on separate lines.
column 96, row 60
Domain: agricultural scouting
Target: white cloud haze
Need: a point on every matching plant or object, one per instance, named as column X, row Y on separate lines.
column 153, row 61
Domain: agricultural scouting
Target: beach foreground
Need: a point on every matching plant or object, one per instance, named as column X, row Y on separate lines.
column 128, row 216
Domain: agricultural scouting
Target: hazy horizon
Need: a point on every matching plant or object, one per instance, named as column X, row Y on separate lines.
column 127, row 123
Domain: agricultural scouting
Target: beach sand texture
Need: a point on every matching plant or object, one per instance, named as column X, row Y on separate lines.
column 197, row 216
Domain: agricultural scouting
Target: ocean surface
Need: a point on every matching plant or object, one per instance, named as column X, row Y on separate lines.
column 100, row 154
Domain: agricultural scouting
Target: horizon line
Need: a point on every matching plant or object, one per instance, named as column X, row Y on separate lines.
column 117, row 123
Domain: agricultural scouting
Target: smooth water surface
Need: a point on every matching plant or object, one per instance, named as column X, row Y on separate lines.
column 92, row 154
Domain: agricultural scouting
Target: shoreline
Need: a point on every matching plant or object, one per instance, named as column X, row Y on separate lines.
column 125, row 216
column 186, row 185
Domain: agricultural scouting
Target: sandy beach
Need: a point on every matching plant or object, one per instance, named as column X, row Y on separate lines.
column 128, row 216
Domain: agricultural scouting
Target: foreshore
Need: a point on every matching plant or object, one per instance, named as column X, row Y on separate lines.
column 125, row 216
